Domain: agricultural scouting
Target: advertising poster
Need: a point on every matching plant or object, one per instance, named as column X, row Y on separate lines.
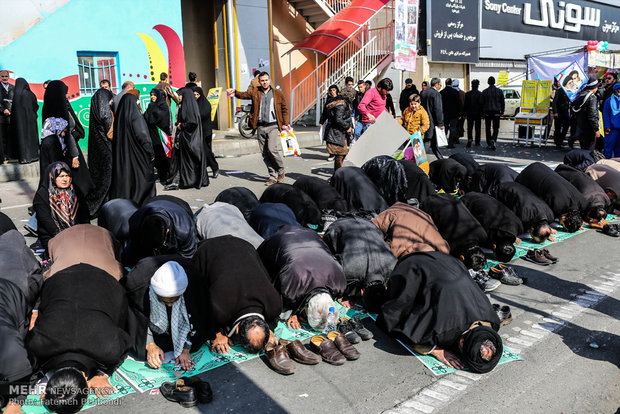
column 406, row 34
column 453, row 29
column 572, row 79
column 543, row 95
column 214, row 98
column 528, row 94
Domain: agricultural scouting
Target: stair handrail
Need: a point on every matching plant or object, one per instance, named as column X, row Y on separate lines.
column 335, row 5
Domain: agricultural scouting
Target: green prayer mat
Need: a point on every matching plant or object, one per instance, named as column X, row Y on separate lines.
column 33, row 402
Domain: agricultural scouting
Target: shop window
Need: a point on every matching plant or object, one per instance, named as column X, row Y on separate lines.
column 93, row 67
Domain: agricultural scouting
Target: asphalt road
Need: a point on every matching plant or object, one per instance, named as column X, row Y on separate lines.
column 566, row 328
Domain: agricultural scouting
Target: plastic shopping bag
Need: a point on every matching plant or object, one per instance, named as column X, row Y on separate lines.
column 290, row 146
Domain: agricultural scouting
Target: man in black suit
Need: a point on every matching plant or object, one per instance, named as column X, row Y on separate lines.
column 431, row 101
column 452, row 109
column 6, row 99
column 473, row 112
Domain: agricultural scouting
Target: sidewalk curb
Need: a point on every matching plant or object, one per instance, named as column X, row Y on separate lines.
column 224, row 147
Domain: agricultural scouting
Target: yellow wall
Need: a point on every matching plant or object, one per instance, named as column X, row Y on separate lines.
column 290, row 28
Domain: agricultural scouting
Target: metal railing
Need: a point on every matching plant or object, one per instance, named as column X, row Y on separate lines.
column 364, row 51
column 336, row 5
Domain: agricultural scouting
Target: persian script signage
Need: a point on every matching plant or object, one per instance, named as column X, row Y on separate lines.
column 454, row 30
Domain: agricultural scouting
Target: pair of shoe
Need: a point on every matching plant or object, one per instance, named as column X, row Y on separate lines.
column 171, row 187
column 484, row 281
column 505, row 275
column 612, row 230
column 354, row 330
column 540, row 256
column 187, row 391
column 279, row 356
column 334, row 348
column 503, row 313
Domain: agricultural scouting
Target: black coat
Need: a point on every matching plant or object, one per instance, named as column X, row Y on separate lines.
column 306, row 211
column 323, row 194
column 451, row 102
column 493, row 101
column 235, row 287
column 338, row 122
column 558, row 193
column 82, row 316
column 419, row 186
column 360, row 192
column 488, row 176
column 100, row 148
column 467, row 161
column 593, row 193
column 23, row 140
column 579, row 158
column 473, row 104
column 498, row 221
column 240, row 197
column 585, row 108
column 137, row 283
column 132, row 154
column 267, row 218
column 432, row 301
column 5, row 97
column 19, row 266
column 431, row 101
column 299, row 263
column 359, row 247
column 403, row 100
column 158, row 118
column 455, row 223
column 524, row 203
column 447, row 174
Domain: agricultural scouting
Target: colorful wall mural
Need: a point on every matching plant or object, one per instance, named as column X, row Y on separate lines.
column 82, row 42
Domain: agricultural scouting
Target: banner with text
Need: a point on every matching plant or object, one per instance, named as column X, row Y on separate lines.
column 454, row 30
column 406, row 34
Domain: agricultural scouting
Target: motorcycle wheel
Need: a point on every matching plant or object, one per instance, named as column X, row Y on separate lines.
column 244, row 127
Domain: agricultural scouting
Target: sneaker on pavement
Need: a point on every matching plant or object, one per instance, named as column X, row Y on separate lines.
column 346, row 328
column 485, row 282
column 360, row 329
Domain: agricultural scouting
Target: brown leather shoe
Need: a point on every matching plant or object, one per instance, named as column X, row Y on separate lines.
column 344, row 346
column 270, row 182
column 280, row 177
column 279, row 360
column 299, row 353
column 327, row 349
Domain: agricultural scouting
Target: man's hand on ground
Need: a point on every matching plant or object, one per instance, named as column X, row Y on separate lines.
column 185, row 360
column 448, row 358
column 100, row 384
column 154, row 355
column 293, row 322
column 220, row 344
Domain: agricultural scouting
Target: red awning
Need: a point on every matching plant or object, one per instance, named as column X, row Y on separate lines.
column 334, row 32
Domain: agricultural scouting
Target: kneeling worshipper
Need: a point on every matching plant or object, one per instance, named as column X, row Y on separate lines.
column 534, row 213
column 613, row 163
column 114, row 216
column 459, row 228
column 467, row 161
column 360, row 192
column 488, row 176
column 244, row 307
column 324, row 195
column 160, row 227
column 609, row 179
column 305, row 273
column 447, row 174
column 366, row 259
column 267, row 218
column 306, row 211
column 433, row 304
column 565, row 200
column 219, row 219
column 159, row 121
column 132, row 154
column 166, row 313
column 176, row 200
column 78, row 337
column 58, row 204
column 389, row 177
column 84, row 243
column 597, row 201
column 20, row 282
column 242, row 198
column 408, row 229
column 582, row 159
column 419, row 186
column 501, row 225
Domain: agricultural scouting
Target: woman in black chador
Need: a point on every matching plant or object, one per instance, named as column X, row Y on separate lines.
column 100, row 148
column 132, row 154
column 207, row 130
column 189, row 163
column 157, row 118
column 23, row 134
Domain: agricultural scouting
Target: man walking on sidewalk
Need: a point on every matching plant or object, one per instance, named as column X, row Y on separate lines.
column 269, row 116
column 493, row 107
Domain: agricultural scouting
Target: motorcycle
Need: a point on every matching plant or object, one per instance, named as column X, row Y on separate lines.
column 242, row 115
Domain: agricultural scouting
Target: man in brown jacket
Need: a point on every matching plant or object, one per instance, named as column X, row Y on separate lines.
column 269, row 116
column 408, row 229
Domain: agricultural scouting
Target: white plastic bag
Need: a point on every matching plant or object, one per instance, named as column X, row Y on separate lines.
column 442, row 140
column 290, row 146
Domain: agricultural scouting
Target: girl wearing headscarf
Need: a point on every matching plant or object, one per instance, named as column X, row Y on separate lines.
column 339, row 124
column 159, row 120
column 189, row 164
column 132, row 154
column 58, row 204
column 204, row 108
column 53, row 145
column 611, row 121
column 23, row 135
column 100, row 148
column 56, row 105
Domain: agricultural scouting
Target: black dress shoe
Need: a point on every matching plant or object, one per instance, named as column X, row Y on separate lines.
column 202, row 389
column 180, row 393
column 216, row 173
column 360, row 329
